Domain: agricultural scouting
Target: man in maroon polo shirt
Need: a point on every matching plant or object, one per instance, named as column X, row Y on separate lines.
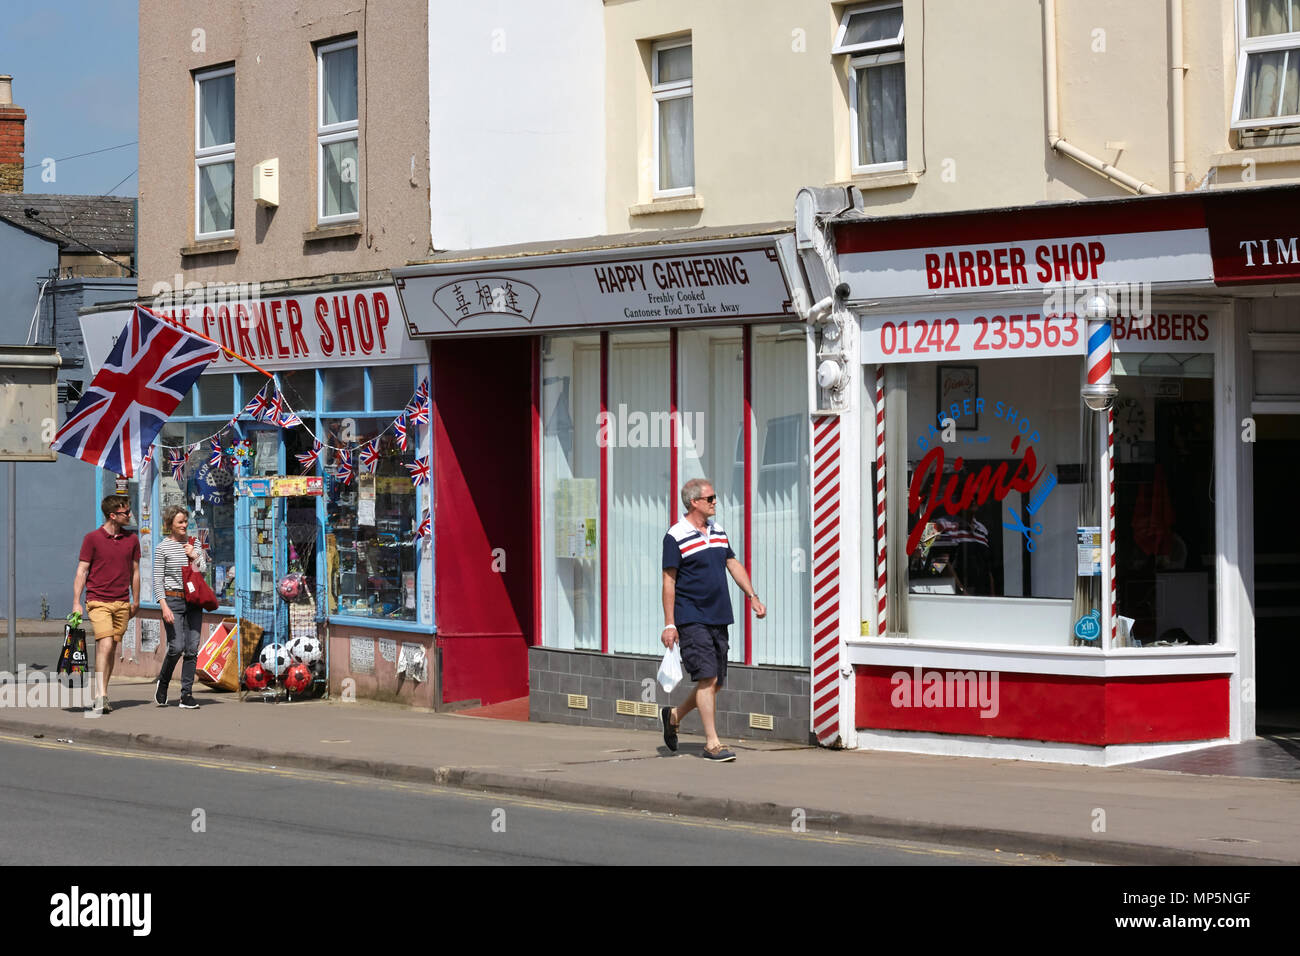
column 108, row 566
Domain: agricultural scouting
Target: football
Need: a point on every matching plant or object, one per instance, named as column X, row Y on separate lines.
column 305, row 650
column 291, row 587
column 275, row 659
column 298, row 679
column 256, row 678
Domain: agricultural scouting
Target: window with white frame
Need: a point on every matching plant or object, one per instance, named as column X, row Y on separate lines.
column 872, row 36
column 214, row 154
column 673, row 91
column 1268, row 64
column 337, row 132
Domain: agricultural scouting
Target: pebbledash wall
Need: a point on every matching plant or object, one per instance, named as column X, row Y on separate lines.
column 1040, row 580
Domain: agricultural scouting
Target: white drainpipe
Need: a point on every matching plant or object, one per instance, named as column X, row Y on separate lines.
column 1054, row 138
column 1178, row 69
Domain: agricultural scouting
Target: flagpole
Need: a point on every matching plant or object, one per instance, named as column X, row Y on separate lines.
column 231, row 352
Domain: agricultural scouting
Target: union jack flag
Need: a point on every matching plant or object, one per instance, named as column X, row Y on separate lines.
column 419, row 471
column 218, row 457
column 276, row 411
column 425, row 530
column 152, row 366
column 422, row 393
column 148, row 457
column 345, row 472
column 176, row 461
column 290, row 421
column 308, row 459
column 370, row 455
column 418, row 414
column 259, row 405
column 399, row 427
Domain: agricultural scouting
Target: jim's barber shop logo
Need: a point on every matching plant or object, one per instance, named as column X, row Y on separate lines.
column 486, row 295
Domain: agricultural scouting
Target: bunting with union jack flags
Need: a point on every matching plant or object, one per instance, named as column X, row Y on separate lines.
column 399, row 429
column 152, row 366
column 259, row 405
column 176, row 462
column 419, row 471
column 308, row 459
column 345, row 472
column 370, row 455
column 425, row 529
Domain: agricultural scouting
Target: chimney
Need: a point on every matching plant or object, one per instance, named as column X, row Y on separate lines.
column 12, row 138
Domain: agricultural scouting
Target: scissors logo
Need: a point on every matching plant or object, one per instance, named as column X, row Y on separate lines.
column 1023, row 528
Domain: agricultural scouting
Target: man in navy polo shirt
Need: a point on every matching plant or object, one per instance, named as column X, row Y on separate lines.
column 697, row 608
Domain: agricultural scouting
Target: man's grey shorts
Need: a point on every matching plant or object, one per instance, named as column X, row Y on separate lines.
column 704, row 651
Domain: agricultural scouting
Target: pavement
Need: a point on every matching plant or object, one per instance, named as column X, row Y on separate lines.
column 1121, row 815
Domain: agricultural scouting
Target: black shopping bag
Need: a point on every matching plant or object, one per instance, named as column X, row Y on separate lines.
column 72, row 659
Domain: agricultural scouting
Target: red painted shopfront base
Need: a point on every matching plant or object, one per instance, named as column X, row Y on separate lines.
column 1065, row 709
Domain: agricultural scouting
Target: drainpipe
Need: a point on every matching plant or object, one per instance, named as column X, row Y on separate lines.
column 1178, row 71
column 1054, row 138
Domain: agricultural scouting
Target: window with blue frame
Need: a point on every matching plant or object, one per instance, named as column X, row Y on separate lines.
column 370, row 560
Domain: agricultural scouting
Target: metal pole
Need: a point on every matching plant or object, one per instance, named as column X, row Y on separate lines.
column 11, row 476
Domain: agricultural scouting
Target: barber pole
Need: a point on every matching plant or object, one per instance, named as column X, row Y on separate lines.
column 881, row 576
column 1110, row 493
column 1100, row 340
column 826, row 574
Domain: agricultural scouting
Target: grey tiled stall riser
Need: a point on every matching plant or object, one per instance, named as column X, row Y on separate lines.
column 780, row 692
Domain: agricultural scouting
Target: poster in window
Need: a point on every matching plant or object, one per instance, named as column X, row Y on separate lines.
column 958, row 385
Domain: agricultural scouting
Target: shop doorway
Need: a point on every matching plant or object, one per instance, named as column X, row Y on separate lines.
column 483, row 517
column 1277, row 576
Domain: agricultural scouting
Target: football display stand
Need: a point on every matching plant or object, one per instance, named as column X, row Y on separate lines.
column 285, row 658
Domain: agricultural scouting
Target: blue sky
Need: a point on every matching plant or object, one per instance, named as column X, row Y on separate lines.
column 74, row 68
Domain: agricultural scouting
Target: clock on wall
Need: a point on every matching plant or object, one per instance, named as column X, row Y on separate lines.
column 1130, row 421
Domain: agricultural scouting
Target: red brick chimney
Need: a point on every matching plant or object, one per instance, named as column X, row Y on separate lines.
column 12, row 138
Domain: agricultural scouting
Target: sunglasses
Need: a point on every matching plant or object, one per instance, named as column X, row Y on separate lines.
column 710, row 499
column 126, row 512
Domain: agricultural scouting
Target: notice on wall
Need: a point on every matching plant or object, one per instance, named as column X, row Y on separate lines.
column 576, row 507
column 408, row 590
column 388, row 649
column 426, row 603
column 128, row 641
column 361, row 655
column 1089, row 540
column 150, row 636
column 414, row 663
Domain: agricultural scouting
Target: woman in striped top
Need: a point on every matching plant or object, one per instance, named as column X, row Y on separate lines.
column 181, row 618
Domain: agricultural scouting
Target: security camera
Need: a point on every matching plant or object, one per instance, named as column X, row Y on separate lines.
column 842, row 290
column 1099, row 397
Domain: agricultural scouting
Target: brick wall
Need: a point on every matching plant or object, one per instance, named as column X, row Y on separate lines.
column 12, row 146
column 780, row 692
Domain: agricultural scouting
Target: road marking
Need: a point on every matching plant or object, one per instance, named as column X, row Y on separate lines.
column 552, row 806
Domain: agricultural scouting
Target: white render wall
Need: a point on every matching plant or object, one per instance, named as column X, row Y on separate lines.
column 516, row 121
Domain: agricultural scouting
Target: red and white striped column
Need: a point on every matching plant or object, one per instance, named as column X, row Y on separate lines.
column 826, row 577
column 881, row 550
column 1110, row 520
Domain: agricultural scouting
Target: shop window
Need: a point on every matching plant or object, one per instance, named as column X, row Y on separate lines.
column 872, row 36
column 370, row 546
column 207, row 492
column 672, row 88
column 1165, row 542
column 299, row 389
column 711, row 393
column 216, row 394
column 214, row 154
column 337, row 132
column 1268, row 64
column 639, row 505
column 345, row 389
column 781, row 522
column 391, row 386
column 995, row 513
column 571, row 491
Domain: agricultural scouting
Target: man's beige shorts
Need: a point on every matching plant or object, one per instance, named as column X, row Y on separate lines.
column 108, row 618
